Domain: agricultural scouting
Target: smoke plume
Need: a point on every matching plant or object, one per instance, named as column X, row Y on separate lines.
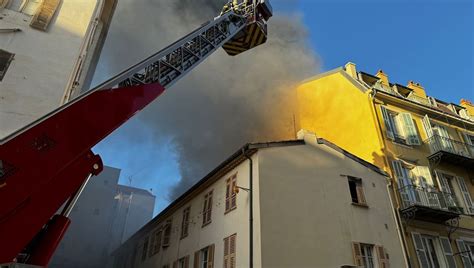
column 226, row 101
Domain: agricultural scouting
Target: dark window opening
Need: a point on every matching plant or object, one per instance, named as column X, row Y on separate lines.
column 353, row 189
column 5, row 60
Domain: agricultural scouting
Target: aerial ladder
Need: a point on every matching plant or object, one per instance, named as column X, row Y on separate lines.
column 46, row 165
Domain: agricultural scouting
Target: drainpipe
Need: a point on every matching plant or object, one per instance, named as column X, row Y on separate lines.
column 244, row 153
column 396, row 211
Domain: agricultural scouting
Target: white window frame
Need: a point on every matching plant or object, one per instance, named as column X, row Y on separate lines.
column 368, row 255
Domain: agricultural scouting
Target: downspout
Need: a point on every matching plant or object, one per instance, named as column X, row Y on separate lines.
column 390, row 189
column 244, row 153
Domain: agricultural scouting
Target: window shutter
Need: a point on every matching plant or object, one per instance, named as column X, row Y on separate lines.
column 232, row 249
column 388, row 125
column 152, row 244
column 409, row 127
column 360, row 193
column 210, row 258
column 466, row 260
column 227, row 195
column 233, row 203
column 5, row 60
column 448, row 252
column 420, row 250
column 356, row 252
column 427, row 126
column 167, row 234
column 186, row 261
column 44, row 14
column 382, row 257
column 443, row 182
column 209, row 208
column 466, row 195
column 226, row 252
column 196, row 258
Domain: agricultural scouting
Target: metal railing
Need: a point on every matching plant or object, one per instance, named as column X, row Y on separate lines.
column 420, row 100
column 438, row 143
column 413, row 195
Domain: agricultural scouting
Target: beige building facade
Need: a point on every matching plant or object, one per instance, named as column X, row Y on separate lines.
column 314, row 205
column 48, row 53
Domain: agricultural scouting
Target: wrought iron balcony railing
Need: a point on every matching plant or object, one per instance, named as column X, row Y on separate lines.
column 431, row 198
column 438, row 143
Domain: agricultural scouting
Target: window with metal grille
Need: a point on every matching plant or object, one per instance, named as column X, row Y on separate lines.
column 5, row 60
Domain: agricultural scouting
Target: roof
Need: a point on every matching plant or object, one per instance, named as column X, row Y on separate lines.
column 131, row 189
column 235, row 159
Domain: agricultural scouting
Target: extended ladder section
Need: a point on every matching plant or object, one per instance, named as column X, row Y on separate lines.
column 176, row 60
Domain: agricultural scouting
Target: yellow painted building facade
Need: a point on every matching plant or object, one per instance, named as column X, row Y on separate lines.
column 424, row 143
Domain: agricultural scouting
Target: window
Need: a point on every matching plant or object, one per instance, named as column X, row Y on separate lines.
column 357, row 193
column 400, row 127
column 155, row 242
column 364, row 255
column 182, row 263
column 464, row 249
column 145, row 249
column 433, row 252
column 157, row 245
column 229, row 251
column 207, row 209
column 453, row 187
column 204, row 258
column 167, row 234
column 230, row 193
column 5, row 60
column 44, row 14
column 185, row 222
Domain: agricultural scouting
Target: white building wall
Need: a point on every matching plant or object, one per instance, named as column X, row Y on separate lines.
column 307, row 215
column 46, row 63
column 303, row 214
column 222, row 225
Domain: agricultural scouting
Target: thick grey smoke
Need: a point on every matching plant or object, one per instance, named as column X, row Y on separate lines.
column 226, row 101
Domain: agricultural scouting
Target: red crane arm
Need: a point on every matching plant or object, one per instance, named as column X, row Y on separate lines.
column 43, row 166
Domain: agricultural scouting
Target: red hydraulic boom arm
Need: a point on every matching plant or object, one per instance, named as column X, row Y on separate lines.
column 46, row 164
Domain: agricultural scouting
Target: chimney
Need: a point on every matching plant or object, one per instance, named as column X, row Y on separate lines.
column 469, row 106
column 383, row 77
column 418, row 89
column 351, row 69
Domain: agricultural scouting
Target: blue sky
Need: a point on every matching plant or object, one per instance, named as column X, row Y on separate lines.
column 430, row 42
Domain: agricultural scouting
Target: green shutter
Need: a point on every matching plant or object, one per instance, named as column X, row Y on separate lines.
column 388, row 125
column 409, row 128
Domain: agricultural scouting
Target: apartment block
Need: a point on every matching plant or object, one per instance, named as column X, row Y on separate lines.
column 297, row 203
column 424, row 143
column 48, row 53
column 106, row 215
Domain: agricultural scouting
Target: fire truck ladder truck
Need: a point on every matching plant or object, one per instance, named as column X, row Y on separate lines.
column 47, row 164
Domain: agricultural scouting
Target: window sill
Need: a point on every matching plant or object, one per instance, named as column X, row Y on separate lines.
column 360, row 205
column 206, row 224
column 402, row 144
column 230, row 210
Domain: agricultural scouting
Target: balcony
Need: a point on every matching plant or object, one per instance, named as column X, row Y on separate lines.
column 428, row 204
column 450, row 151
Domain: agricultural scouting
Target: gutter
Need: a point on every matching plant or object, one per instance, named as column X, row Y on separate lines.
column 244, row 153
column 390, row 189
